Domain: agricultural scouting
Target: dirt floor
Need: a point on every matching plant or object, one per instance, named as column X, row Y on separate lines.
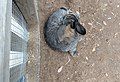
column 99, row 59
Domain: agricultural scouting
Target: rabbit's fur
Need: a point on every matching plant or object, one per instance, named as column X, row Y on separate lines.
column 55, row 29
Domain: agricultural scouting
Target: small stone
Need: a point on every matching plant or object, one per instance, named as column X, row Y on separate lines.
column 98, row 45
column 105, row 4
column 101, row 29
column 75, row 71
column 105, row 14
column 90, row 24
column 112, row 13
column 86, row 58
column 60, row 69
column 33, row 56
column 104, row 23
column 116, row 34
column 118, row 6
column 93, row 50
column 93, row 64
column 28, row 62
column 106, row 74
column 109, row 18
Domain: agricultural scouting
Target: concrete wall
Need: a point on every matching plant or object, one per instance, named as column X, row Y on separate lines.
column 5, row 24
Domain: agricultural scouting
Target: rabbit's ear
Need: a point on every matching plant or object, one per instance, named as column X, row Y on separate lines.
column 80, row 29
column 72, row 25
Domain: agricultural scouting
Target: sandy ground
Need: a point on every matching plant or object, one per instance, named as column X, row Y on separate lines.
column 99, row 59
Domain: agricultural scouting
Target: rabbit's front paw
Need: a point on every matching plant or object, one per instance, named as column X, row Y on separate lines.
column 74, row 53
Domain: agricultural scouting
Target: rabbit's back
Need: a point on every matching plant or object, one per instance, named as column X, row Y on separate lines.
column 54, row 29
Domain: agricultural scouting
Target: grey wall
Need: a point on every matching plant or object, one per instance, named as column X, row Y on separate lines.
column 5, row 17
column 29, row 9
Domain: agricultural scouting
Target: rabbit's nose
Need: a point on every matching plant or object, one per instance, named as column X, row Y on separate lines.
column 83, row 31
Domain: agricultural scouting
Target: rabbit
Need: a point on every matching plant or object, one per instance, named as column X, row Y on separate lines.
column 55, row 28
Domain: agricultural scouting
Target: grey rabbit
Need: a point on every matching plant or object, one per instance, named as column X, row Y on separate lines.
column 55, row 28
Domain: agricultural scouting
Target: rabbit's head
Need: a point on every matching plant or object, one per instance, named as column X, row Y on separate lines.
column 72, row 19
column 77, row 26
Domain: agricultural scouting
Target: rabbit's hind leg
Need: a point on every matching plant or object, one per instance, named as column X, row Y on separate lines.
column 74, row 52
